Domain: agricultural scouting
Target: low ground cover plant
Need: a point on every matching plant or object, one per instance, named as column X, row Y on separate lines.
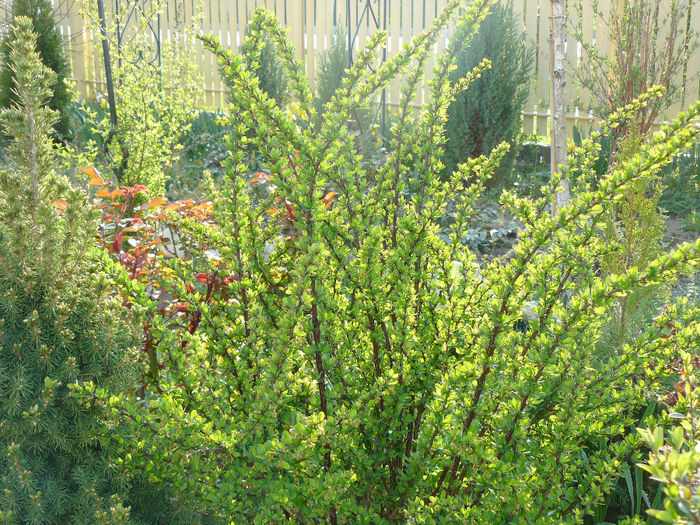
column 356, row 366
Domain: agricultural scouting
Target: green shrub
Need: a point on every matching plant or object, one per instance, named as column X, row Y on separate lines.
column 331, row 70
column 332, row 66
column 651, row 42
column 343, row 363
column 268, row 69
column 491, row 111
column 58, row 325
column 600, row 167
column 637, row 225
column 154, row 98
column 674, row 459
column 204, row 149
column 50, row 47
column 681, row 194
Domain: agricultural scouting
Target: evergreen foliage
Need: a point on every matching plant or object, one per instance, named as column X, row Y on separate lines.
column 58, row 326
column 637, row 225
column 268, row 69
column 357, row 367
column 332, row 66
column 50, row 47
column 331, row 69
column 491, row 111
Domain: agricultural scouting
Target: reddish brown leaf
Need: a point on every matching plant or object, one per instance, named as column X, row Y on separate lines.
column 95, row 178
column 158, row 201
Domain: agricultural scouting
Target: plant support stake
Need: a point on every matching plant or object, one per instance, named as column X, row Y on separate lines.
column 110, row 89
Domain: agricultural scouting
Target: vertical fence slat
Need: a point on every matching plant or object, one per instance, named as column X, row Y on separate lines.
column 218, row 30
column 310, row 43
column 572, row 91
column 426, row 17
column 362, row 28
column 601, row 32
column 394, row 24
column 416, row 21
column 543, row 73
column 77, row 58
column 278, row 8
column 530, row 21
column 295, row 19
column 587, row 25
column 323, row 31
column 207, row 25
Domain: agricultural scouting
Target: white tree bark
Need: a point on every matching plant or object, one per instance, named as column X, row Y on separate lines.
column 558, row 101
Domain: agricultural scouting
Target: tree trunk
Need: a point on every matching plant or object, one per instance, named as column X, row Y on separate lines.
column 558, row 100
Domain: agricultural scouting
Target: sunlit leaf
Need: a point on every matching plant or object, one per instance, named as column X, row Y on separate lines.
column 95, row 178
column 158, row 201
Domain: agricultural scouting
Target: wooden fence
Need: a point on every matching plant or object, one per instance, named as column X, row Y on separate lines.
column 311, row 24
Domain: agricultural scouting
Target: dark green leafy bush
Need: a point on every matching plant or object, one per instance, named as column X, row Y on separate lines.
column 50, row 47
column 344, row 363
column 58, row 326
column 491, row 111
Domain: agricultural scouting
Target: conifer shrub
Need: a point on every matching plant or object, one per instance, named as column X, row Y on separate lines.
column 637, row 224
column 50, row 47
column 331, row 70
column 267, row 68
column 332, row 66
column 354, row 366
column 58, row 324
column 490, row 112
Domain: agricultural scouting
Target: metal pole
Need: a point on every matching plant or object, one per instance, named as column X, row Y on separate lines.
column 118, row 171
column 108, row 64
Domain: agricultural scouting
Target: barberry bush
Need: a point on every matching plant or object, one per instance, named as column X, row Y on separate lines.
column 345, row 361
